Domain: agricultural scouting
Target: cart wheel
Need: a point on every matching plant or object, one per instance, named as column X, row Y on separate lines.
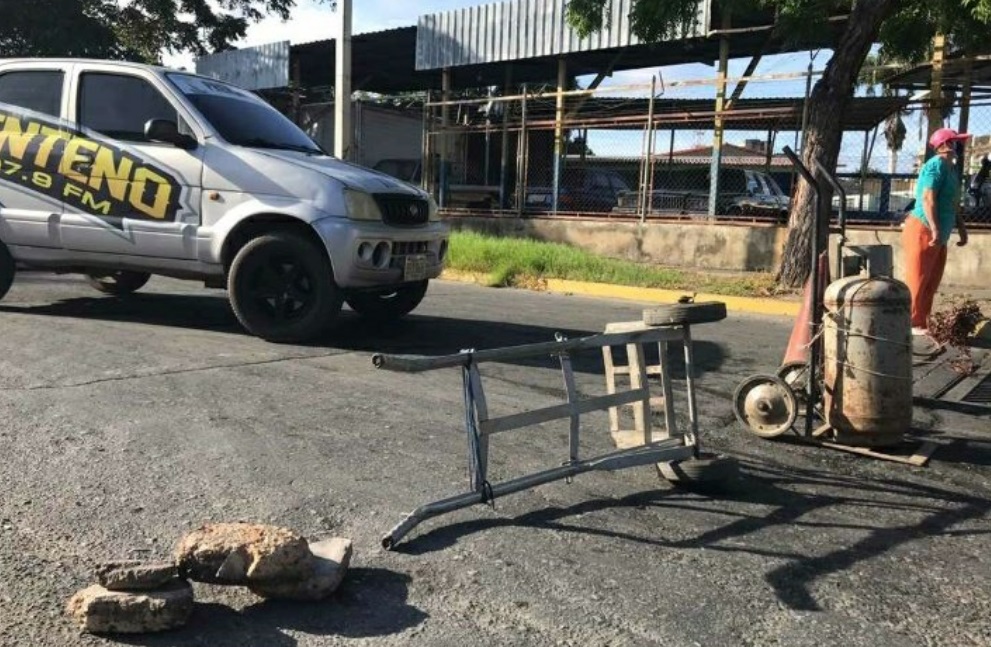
column 766, row 405
column 681, row 314
column 705, row 472
column 796, row 376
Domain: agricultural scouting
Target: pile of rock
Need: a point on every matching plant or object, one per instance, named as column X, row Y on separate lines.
column 272, row 562
column 133, row 598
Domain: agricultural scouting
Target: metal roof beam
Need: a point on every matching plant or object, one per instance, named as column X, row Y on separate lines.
column 751, row 68
column 599, row 78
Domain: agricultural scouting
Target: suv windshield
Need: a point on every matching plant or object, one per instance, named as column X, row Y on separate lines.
column 242, row 118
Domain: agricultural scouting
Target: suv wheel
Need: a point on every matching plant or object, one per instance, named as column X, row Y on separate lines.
column 281, row 287
column 118, row 283
column 8, row 268
column 388, row 306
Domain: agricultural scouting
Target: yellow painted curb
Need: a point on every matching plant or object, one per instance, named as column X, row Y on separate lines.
column 478, row 278
column 983, row 332
column 753, row 305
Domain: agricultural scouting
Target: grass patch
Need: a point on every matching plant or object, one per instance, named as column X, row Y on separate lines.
column 522, row 262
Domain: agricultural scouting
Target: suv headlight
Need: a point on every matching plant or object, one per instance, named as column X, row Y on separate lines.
column 361, row 206
column 434, row 209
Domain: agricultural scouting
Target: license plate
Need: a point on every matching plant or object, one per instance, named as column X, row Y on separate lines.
column 416, row 268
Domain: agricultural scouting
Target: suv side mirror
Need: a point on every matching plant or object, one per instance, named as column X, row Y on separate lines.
column 163, row 130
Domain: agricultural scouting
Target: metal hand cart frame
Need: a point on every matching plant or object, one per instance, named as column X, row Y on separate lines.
column 480, row 425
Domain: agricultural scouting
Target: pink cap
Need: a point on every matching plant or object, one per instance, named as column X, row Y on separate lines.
column 944, row 135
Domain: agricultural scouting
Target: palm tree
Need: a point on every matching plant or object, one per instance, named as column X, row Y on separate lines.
column 874, row 74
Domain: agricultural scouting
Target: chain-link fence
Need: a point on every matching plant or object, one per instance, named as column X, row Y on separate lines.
column 654, row 150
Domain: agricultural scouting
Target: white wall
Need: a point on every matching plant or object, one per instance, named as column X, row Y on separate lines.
column 379, row 133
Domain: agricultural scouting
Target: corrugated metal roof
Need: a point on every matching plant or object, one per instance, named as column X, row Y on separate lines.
column 389, row 31
column 521, row 29
column 253, row 68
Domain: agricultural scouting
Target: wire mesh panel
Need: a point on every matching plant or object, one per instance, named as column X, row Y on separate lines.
column 648, row 150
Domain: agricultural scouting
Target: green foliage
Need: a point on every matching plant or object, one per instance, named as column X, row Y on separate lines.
column 81, row 28
column 524, row 262
column 132, row 29
column 905, row 35
column 879, row 69
column 651, row 20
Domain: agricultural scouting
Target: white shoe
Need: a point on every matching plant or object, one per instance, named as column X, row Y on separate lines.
column 920, row 332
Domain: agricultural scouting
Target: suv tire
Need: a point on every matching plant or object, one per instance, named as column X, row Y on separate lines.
column 281, row 288
column 118, row 283
column 384, row 307
column 8, row 268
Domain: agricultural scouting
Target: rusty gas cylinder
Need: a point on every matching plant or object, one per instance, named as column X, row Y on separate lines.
column 867, row 355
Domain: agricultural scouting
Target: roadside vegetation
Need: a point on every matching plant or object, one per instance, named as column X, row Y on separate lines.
column 519, row 262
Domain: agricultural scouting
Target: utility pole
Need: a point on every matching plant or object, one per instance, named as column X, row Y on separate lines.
column 342, row 83
column 935, row 112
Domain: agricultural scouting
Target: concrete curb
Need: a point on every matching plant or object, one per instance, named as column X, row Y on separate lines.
column 752, row 305
column 983, row 333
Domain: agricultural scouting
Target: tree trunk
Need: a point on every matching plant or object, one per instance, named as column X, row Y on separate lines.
column 829, row 100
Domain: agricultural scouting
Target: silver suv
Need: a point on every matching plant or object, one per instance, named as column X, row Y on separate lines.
column 120, row 171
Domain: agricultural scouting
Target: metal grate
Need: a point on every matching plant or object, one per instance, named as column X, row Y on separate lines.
column 980, row 394
column 403, row 211
column 405, row 248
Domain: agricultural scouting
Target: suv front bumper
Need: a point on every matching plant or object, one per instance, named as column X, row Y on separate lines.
column 372, row 254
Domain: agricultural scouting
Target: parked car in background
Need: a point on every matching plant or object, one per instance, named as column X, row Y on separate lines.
column 742, row 192
column 467, row 196
column 582, row 190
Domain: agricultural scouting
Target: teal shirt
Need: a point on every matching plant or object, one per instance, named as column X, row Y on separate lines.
column 940, row 176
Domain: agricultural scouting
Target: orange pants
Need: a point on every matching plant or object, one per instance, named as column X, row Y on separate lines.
column 923, row 269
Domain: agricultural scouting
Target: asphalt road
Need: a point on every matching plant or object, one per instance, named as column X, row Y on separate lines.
column 128, row 422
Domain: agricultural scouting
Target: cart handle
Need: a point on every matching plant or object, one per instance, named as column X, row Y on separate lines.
column 816, row 314
column 835, row 183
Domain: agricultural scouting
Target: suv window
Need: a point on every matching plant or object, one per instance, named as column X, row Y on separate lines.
column 600, row 181
column 772, row 186
column 753, row 185
column 119, row 106
column 733, row 181
column 618, row 184
column 38, row 90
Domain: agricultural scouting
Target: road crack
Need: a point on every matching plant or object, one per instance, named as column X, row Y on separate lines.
column 169, row 372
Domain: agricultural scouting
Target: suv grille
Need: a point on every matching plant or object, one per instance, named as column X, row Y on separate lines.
column 406, row 248
column 403, row 211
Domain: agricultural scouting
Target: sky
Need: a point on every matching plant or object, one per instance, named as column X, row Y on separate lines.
column 312, row 21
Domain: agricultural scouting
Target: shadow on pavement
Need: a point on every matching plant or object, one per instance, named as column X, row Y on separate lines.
column 370, row 603
column 964, row 451
column 199, row 312
column 416, row 335
column 793, row 495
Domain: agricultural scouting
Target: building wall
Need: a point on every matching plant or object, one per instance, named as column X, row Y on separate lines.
column 379, row 133
column 716, row 246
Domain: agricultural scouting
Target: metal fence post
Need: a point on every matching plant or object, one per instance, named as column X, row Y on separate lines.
column 717, row 138
column 652, row 110
column 445, row 149
column 504, row 162
column 559, row 144
column 522, row 167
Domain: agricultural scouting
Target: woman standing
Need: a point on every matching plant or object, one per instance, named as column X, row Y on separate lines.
column 927, row 228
